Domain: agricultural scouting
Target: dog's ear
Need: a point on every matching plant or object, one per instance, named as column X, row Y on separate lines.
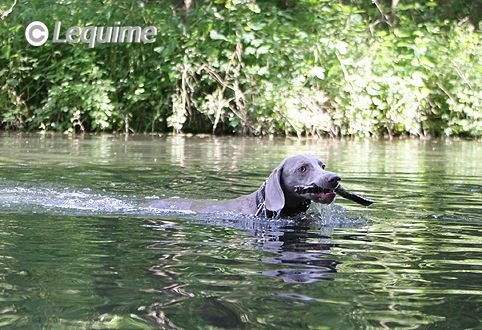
column 274, row 196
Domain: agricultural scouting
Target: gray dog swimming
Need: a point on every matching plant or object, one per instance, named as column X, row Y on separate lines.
column 288, row 191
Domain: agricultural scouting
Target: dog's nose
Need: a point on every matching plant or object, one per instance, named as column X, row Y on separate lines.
column 333, row 178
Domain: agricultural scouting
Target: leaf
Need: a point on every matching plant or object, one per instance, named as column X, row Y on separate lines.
column 263, row 50
column 215, row 35
column 263, row 71
column 256, row 27
column 341, row 47
column 159, row 49
column 417, row 79
column 250, row 51
column 6, row 51
column 356, row 19
column 253, row 6
column 400, row 33
column 376, row 101
column 425, row 61
column 373, row 89
column 318, row 72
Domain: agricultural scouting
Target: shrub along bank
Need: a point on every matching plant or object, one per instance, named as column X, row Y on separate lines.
column 304, row 67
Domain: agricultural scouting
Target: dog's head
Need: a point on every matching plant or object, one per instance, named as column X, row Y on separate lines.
column 299, row 171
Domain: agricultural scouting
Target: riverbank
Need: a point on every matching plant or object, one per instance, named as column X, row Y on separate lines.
column 247, row 68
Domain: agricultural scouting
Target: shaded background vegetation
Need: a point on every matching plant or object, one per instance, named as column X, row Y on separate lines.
column 304, row 67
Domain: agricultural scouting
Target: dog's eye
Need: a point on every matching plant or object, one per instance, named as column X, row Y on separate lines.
column 323, row 166
column 302, row 169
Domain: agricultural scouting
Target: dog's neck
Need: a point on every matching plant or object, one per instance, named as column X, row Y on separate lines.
column 300, row 206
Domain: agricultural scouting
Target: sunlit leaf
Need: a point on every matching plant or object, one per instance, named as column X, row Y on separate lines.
column 318, row 72
column 215, row 35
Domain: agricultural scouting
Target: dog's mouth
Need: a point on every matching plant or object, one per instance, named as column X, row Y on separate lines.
column 326, row 196
column 316, row 194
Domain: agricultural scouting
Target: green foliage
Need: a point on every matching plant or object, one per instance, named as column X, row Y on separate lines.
column 251, row 67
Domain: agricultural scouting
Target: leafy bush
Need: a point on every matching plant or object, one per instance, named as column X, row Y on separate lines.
column 252, row 67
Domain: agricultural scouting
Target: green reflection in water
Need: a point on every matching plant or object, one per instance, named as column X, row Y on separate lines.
column 76, row 251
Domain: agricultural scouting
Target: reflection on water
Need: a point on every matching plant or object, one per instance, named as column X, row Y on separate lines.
column 77, row 251
column 302, row 257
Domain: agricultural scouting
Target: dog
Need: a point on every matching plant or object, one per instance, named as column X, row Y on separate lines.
column 282, row 194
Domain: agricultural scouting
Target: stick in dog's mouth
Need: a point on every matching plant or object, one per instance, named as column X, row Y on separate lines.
column 314, row 189
column 311, row 189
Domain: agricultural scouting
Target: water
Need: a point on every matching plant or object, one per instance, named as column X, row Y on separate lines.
column 78, row 251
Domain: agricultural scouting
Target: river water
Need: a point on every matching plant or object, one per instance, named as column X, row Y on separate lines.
column 77, row 249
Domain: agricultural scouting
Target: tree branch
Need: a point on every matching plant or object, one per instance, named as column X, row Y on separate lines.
column 7, row 12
